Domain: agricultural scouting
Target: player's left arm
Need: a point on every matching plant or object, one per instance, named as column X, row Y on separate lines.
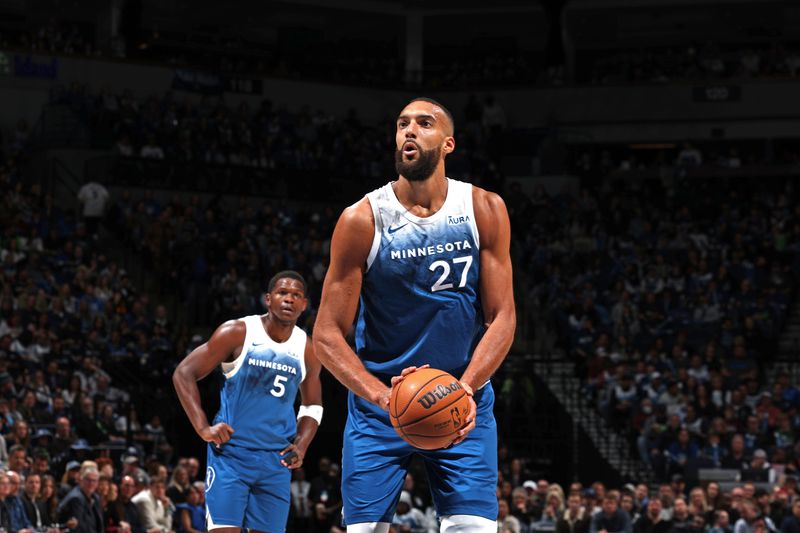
column 497, row 295
column 311, row 411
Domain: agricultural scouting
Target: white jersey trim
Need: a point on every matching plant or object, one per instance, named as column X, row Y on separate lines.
column 231, row 369
column 255, row 331
column 471, row 210
column 394, row 201
column 377, row 228
column 300, row 338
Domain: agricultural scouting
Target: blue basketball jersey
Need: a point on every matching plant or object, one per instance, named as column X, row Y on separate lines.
column 257, row 400
column 420, row 301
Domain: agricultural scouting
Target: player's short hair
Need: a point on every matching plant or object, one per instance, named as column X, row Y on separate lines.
column 437, row 104
column 291, row 274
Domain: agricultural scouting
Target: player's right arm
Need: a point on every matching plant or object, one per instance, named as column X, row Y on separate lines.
column 227, row 340
column 350, row 246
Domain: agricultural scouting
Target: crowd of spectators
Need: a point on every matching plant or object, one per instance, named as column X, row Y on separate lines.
column 710, row 61
column 304, row 142
column 670, row 299
column 539, row 506
column 378, row 64
column 217, row 277
column 98, row 494
column 705, row 159
column 357, row 62
column 372, row 64
column 208, row 131
column 55, row 37
column 186, row 130
column 71, row 323
column 483, row 68
column 529, row 504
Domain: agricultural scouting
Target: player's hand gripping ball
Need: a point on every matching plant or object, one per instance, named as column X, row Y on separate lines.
column 428, row 408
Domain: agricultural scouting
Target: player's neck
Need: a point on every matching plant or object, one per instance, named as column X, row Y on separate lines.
column 277, row 330
column 423, row 198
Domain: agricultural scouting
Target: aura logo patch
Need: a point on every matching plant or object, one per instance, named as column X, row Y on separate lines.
column 457, row 219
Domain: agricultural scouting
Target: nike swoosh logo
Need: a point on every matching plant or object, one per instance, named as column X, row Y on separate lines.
column 392, row 230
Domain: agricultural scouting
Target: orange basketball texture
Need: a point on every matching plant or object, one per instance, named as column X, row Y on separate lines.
column 428, row 408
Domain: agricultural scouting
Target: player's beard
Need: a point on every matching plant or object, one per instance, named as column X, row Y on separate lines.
column 418, row 169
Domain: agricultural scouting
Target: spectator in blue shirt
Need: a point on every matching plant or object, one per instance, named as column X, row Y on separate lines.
column 682, row 453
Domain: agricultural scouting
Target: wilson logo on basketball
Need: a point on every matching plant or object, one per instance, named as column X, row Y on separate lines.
column 429, row 399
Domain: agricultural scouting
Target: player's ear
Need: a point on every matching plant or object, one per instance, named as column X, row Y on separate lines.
column 266, row 299
column 449, row 145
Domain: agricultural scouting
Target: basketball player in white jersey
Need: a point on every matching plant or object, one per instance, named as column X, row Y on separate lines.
column 256, row 438
column 425, row 262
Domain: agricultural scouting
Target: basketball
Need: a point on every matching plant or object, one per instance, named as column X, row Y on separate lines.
column 428, row 408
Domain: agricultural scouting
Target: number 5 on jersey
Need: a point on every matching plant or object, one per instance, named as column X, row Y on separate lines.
column 440, row 285
column 278, row 387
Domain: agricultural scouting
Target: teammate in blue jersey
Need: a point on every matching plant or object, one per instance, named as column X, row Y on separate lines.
column 425, row 262
column 256, row 439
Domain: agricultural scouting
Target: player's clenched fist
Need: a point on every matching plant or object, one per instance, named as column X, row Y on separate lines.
column 292, row 457
column 217, row 434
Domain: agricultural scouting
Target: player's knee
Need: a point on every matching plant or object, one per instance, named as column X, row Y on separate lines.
column 465, row 523
column 368, row 527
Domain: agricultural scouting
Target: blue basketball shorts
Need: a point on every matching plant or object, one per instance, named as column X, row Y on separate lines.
column 462, row 478
column 247, row 489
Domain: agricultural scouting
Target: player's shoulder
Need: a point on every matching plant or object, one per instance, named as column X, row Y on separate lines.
column 358, row 218
column 358, row 210
column 234, row 323
column 490, row 209
column 232, row 329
